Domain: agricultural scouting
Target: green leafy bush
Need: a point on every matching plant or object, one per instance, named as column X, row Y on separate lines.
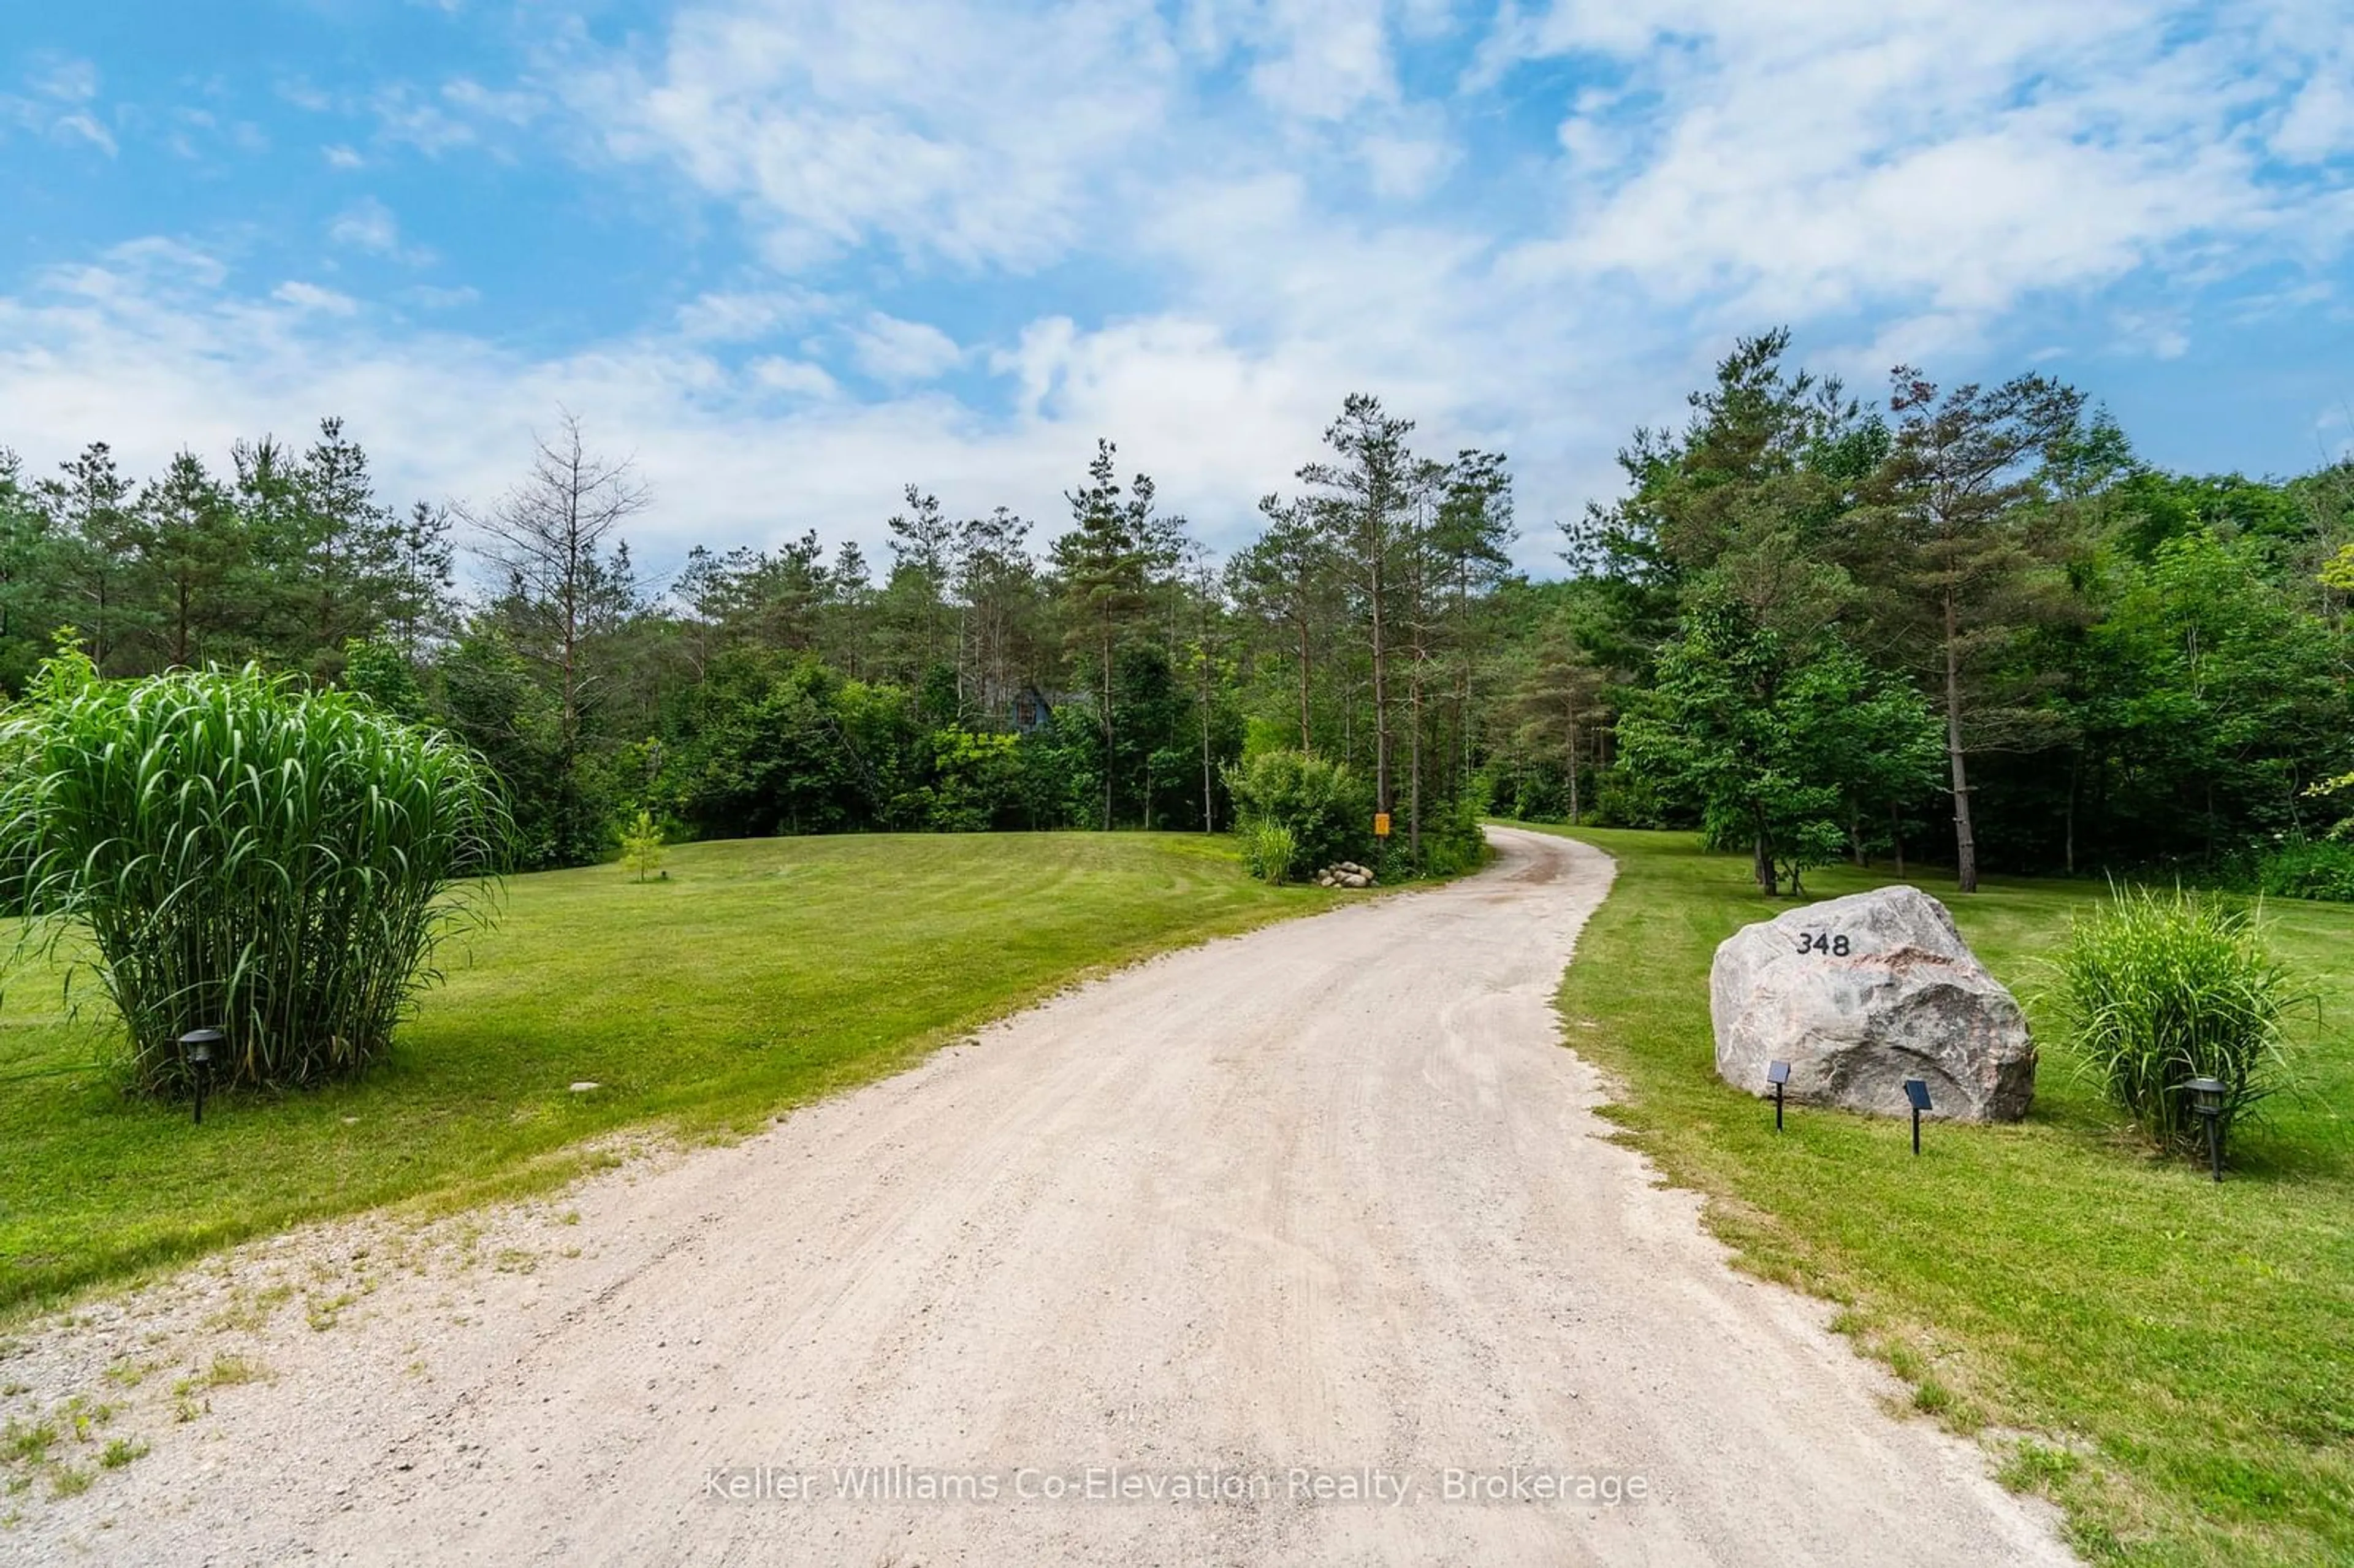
column 976, row 781
column 2154, row 990
column 1329, row 810
column 2322, row 868
column 1452, row 839
column 1624, row 799
column 246, row 855
column 1270, row 849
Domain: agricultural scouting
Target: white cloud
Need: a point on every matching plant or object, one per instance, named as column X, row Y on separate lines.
column 372, row 228
column 406, row 118
column 311, row 297
column 796, row 377
column 1800, row 161
column 304, row 95
column 59, row 102
column 427, row 297
column 339, row 156
column 735, row 453
column 2319, row 123
column 367, row 225
column 747, row 315
column 460, row 114
column 1406, row 165
column 63, row 80
column 84, row 127
column 982, row 137
column 899, row 352
column 1324, row 58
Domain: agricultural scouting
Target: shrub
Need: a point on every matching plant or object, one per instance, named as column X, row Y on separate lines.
column 1270, row 849
column 1624, row 799
column 1452, row 839
column 2157, row 989
column 246, row 855
column 1327, row 808
column 976, row 781
column 2322, row 868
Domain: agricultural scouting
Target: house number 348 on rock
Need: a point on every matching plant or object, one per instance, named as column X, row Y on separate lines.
column 1815, row 942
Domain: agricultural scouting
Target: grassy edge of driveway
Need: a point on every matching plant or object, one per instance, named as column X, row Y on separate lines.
column 2171, row 1361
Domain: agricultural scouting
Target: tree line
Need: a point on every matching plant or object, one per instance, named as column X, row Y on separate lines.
column 1965, row 625
column 1970, row 620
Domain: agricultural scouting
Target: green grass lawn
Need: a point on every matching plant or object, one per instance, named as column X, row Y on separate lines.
column 2171, row 1360
column 761, row 974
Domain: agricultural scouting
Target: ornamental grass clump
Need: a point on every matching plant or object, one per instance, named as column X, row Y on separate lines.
column 1270, row 849
column 245, row 853
column 2157, row 989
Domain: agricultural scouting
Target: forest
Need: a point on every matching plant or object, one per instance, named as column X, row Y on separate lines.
column 1961, row 626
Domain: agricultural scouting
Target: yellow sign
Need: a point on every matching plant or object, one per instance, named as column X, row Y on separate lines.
column 1381, row 824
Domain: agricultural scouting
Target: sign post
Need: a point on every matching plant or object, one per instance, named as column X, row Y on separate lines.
column 1381, row 824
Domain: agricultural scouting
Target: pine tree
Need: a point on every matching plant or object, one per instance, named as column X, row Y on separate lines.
column 554, row 541
column 1964, row 562
column 100, row 533
column 1285, row 578
column 196, row 565
column 1362, row 502
column 1557, row 703
column 1106, row 563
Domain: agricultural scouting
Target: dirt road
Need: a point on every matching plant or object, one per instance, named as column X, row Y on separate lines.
column 1307, row 1221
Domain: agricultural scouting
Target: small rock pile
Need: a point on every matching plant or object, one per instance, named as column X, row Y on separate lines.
column 1344, row 873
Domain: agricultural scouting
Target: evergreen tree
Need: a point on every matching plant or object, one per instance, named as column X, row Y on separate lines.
column 1106, row 564
column 197, row 566
column 1966, row 561
column 99, row 534
column 1363, row 501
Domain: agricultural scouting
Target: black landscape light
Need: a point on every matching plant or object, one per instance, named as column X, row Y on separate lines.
column 1917, row 1091
column 2207, row 1099
column 197, row 1050
column 1778, row 1073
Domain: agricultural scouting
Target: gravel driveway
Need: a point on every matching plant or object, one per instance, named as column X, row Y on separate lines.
column 1300, row 1248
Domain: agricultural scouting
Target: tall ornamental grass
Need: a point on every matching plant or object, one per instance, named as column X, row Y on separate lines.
column 1270, row 850
column 2154, row 990
column 246, row 855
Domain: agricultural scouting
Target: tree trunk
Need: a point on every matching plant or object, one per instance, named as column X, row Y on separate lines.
column 1765, row 867
column 1896, row 835
column 100, row 647
column 1573, row 738
column 1306, row 745
column 1209, row 691
column 1414, row 788
column 2075, row 769
column 1209, row 817
column 961, row 697
column 1107, row 720
column 1462, row 758
column 1381, row 695
column 1966, row 846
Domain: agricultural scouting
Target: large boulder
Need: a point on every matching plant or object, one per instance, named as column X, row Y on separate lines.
column 1859, row 994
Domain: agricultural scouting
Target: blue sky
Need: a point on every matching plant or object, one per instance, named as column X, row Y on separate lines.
column 792, row 256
